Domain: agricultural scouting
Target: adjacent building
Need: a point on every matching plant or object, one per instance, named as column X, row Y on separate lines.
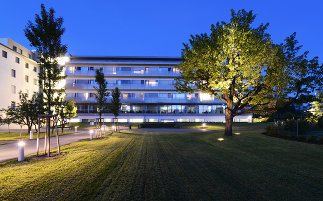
column 18, row 70
column 147, row 91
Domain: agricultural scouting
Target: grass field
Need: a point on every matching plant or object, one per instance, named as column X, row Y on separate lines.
column 172, row 166
column 5, row 136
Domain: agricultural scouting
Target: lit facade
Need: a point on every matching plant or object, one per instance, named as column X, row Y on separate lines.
column 147, row 91
column 18, row 70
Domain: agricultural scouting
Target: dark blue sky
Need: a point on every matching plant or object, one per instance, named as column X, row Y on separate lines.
column 158, row 28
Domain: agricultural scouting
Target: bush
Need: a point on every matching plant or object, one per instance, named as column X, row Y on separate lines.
column 272, row 131
column 320, row 122
column 159, row 125
column 303, row 126
column 311, row 139
column 301, row 138
column 321, row 140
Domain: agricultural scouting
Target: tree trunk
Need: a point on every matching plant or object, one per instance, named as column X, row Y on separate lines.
column 228, row 122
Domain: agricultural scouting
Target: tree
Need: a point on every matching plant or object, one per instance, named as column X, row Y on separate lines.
column 66, row 111
column 241, row 66
column 7, row 117
column 45, row 35
column 27, row 111
column 102, row 93
column 115, row 102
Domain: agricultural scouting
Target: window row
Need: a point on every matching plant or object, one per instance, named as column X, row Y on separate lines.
column 159, row 109
column 134, row 70
column 17, row 60
column 151, row 83
column 143, row 96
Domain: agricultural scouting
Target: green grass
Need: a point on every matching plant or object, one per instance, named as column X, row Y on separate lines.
column 5, row 136
column 172, row 166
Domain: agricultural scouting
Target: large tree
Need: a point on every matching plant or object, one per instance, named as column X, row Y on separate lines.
column 241, row 66
column 102, row 93
column 45, row 35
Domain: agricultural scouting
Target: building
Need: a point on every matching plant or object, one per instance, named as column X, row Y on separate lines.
column 147, row 91
column 18, row 70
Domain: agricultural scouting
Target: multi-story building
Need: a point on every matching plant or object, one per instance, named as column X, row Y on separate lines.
column 18, row 70
column 147, row 91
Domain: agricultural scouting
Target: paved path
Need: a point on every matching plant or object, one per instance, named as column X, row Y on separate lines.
column 10, row 151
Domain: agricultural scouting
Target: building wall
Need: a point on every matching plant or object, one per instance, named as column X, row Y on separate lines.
column 10, row 85
column 147, row 91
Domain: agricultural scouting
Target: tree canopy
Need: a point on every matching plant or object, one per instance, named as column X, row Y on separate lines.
column 240, row 65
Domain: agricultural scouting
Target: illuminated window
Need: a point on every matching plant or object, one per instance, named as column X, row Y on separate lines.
column 26, row 78
column 26, row 65
column 206, row 97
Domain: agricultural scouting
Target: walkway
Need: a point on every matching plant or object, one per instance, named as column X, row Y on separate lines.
column 10, row 151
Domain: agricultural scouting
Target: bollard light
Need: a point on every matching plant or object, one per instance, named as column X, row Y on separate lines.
column 91, row 134
column 114, row 128
column 21, row 151
column 31, row 136
column 204, row 124
column 220, row 139
column 75, row 128
column 237, row 133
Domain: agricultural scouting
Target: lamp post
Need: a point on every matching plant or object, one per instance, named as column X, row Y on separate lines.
column 21, row 151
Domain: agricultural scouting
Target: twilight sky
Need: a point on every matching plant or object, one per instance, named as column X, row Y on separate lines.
column 158, row 28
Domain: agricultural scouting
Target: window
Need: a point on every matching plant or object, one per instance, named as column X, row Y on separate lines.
column 78, row 68
column 4, row 54
column 35, row 69
column 26, row 78
column 91, row 81
column 14, row 48
column 35, row 81
column 13, row 89
column 13, row 73
column 124, row 69
column 120, row 82
column 191, row 109
column 76, row 95
column 20, row 51
column 26, row 65
column 13, row 104
column 17, row 60
column 29, row 56
column 91, row 68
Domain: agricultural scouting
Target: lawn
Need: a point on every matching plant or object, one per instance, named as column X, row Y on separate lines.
column 172, row 166
column 5, row 136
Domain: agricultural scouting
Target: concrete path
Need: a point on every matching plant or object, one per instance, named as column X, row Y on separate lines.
column 10, row 151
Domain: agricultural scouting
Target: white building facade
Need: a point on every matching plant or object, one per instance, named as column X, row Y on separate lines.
column 18, row 70
column 147, row 91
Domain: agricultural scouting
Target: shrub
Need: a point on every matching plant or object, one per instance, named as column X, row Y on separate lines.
column 321, row 140
column 320, row 122
column 311, row 139
column 301, row 138
column 303, row 126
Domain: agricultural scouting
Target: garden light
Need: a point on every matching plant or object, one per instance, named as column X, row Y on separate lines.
column 204, row 124
column 75, row 128
column 31, row 136
column 21, row 151
column 91, row 134
column 237, row 133
column 220, row 139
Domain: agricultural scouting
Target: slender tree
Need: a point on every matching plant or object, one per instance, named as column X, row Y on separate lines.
column 102, row 93
column 115, row 102
column 45, row 35
column 241, row 66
